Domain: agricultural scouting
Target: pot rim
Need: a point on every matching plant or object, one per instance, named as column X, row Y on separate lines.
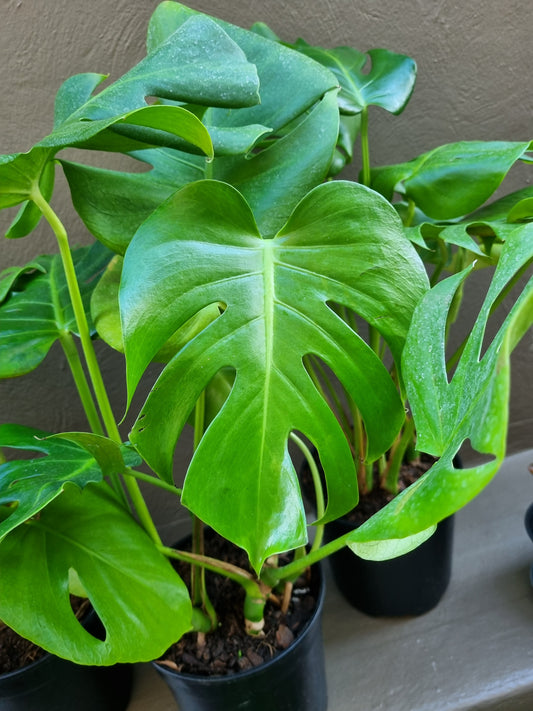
column 233, row 678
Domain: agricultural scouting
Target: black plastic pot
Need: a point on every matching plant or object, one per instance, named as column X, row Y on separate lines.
column 411, row 584
column 528, row 521
column 295, row 680
column 53, row 684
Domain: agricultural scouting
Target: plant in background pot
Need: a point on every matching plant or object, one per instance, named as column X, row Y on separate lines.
column 233, row 264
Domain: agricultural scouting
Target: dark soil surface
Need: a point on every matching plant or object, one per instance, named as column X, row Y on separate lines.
column 229, row 649
column 17, row 652
column 376, row 499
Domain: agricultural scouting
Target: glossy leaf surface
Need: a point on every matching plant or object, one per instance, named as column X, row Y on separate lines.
column 142, row 603
column 37, row 311
column 341, row 244
column 471, row 405
column 451, row 180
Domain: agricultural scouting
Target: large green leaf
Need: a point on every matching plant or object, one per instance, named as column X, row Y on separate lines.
column 141, row 601
column 290, row 83
column 472, row 405
column 213, row 70
column 202, row 246
column 298, row 111
column 37, row 310
column 451, row 180
column 113, row 204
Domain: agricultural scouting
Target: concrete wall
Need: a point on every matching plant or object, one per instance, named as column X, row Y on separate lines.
column 475, row 81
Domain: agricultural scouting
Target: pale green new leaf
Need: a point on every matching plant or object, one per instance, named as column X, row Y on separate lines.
column 340, row 245
column 87, row 534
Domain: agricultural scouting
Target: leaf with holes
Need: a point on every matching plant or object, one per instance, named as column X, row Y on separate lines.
column 202, row 246
column 471, row 405
column 142, row 603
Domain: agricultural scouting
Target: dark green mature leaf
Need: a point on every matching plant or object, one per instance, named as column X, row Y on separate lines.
column 473, row 405
column 213, row 70
column 32, row 484
column 274, row 180
column 289, row 82
column 113, row 205
column 141, row 601
column 341, row 244
column 38, row 310
column 388, row 83
column 451, row 180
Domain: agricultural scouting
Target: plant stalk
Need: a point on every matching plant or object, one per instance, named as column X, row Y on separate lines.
column 82, row 386
column 317, row 483
column 365, row 147
column 90, row 355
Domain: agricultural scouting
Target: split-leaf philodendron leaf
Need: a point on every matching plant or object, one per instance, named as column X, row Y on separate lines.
column 142, row 603
column 343, row 243
column 387, row 83
column 471, row 405
column 39, row 312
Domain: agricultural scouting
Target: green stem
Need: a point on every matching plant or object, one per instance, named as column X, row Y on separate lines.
column 79, row 314
column 317, row 483
column 90, row 355
column 256, row 594
column 274, row 576
column 442, row 263
column 199, row 596
column 389, row 480
column 82, row 386
column 238, row 575
column 365, row 147
column 409, row 217
column 154, row 481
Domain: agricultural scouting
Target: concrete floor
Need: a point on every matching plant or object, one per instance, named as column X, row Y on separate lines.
column 474, row 651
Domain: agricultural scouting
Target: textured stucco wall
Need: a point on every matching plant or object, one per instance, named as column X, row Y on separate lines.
column 475, row 81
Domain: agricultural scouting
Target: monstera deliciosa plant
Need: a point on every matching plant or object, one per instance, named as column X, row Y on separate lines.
column 231, row 262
